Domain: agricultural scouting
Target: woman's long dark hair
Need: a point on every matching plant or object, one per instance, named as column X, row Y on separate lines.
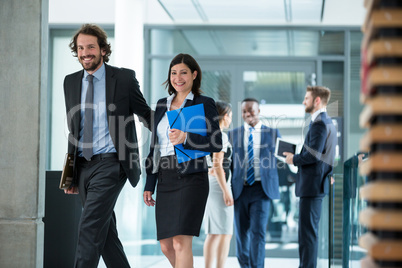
column 223, row 108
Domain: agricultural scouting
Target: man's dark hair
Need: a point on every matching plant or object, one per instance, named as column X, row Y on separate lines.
column 319, row 91
column 193, row 66
column 251, row 99
column 99, row 33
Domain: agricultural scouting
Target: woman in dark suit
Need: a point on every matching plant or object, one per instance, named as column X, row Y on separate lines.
column 182, row 187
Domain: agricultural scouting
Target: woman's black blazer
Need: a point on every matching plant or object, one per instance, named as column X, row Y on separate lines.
column 212, row 142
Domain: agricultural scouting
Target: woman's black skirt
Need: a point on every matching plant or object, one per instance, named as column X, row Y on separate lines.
column 180, row 200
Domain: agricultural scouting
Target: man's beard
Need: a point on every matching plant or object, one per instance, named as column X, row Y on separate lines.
column 309, row 109
column 93, row 66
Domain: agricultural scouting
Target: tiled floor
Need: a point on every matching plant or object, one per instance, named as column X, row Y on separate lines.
column 280, row 253
column 232, row 263
column 162, row 262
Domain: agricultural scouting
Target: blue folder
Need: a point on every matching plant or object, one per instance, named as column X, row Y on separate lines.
column 188, row 119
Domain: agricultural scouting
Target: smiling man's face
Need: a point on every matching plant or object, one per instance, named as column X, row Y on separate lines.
column 89, row 53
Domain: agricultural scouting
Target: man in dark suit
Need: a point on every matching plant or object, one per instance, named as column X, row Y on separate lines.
column 315, row 163
column 101, row 101
column 254, row 183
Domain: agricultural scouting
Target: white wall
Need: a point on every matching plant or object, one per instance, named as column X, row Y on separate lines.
column 344, row 12
column 81, row 11
column 99, row 11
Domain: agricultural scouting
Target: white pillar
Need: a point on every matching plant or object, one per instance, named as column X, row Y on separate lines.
column 129, row 53
column 129, row 36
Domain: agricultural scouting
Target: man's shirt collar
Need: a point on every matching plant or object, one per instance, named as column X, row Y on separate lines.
column 256, row 127
column 98, row 74
column 314, row 116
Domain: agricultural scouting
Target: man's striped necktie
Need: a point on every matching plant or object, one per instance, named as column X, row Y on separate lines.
column 250, row 167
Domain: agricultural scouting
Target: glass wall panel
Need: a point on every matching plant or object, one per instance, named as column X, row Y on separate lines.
column 217, row 84
column 275, row 87
column 331, row 43
column 158, row 74
column 333, row 78
column 249, row 42
column 355, row 107
column 170, row 42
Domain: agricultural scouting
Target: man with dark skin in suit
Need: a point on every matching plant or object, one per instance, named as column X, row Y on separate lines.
column 255, row 183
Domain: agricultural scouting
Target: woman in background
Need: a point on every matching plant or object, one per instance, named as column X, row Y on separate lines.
column 183, row 188
column 219, row 210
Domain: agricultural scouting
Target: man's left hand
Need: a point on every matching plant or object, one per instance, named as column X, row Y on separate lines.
column 289, row 157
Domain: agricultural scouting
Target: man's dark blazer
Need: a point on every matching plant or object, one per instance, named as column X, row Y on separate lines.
column 316, row 159
column 123, row 100
column 212, row 142
column 268, row 168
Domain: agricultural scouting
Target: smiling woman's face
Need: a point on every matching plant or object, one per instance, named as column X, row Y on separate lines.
column 182, row 78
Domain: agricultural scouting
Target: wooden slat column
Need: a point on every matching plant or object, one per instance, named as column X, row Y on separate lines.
column 381, row 92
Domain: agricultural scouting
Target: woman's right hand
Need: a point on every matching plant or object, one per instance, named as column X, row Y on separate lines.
column 148, row 200
column 228, row 198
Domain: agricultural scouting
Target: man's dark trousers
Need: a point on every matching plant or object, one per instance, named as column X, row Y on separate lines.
column 100, row 183
column 251, row 213
column 309, row 218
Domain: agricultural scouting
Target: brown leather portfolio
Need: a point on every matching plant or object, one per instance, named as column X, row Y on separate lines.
column 67, row 174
